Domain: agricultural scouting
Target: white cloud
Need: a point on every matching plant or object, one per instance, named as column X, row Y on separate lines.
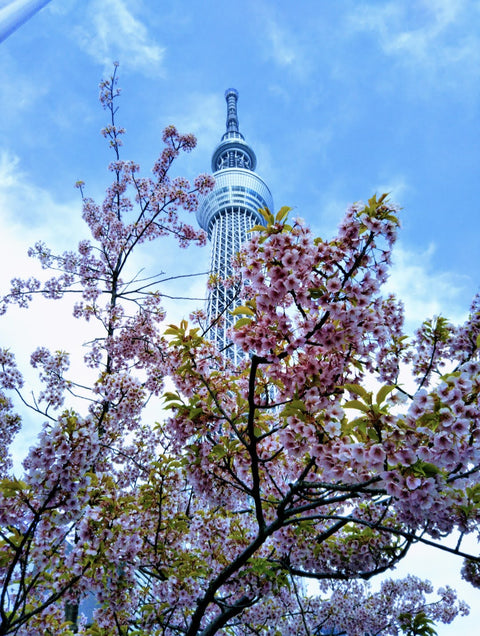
column 333, row 203
column 62, row 8
column 283, row 46
column 427, row 34
column 114, row 33
column 29, row 213
column 17, row 94
column 396, row 187
column 424, row 291
column 414, row 276
column 201, row 114
column 282, row 49
column 25, row 209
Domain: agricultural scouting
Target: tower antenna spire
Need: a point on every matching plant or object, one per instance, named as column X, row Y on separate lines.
column 233, row 151
column 231, row 96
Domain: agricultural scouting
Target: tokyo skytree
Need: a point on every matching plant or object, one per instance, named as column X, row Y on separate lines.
column 14, row 13
column 227, row 214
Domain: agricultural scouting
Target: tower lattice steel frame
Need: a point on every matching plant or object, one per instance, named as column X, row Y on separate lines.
column 227, row 214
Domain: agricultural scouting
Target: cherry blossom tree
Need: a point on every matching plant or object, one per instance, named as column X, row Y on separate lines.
column 267, row 493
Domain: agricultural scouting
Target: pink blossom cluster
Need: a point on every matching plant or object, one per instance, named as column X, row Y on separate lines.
column 284, row 468
column 81, row 463
column 53, row 368
column 303, row 284
column 293, row 432
column 10, row 421
column 356, row 610
column 37, row 513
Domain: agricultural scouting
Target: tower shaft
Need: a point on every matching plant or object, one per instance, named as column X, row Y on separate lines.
column 229, row 232
column 227, row 214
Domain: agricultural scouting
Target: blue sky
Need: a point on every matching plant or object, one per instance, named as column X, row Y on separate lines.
column 338, row 99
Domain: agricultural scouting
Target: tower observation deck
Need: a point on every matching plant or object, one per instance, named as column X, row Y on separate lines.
column 227, row 213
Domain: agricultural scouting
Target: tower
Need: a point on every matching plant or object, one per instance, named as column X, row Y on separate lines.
column 15, row 13
column 227, row 214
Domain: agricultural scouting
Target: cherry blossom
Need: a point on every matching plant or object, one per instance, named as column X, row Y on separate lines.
column 251, row 481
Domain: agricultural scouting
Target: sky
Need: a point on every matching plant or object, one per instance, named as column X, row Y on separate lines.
column 339, row 100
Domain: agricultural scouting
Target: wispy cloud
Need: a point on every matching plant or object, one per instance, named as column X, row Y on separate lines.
column 24, row 205
column 114, row 33
column 202, row 114
column 426, row 291
column 332, row 201
column 427, row 34
column 283, row 46
column 29, row 213
column 17, row 93
column 415, row 277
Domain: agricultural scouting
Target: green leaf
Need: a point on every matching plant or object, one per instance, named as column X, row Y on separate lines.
column 356, row 404
column 372, row 434
column 10, row 487
column 298, row 404
column 169, row 397
column 219, row 451
column 360, row 426
column 356, row 389
column 418, row 625
column 242, row 310
column 424, row 469
column 384, row 391
column 358, row 364
column 242, row 322
column 383, row 197
column 5, row 559
column 172, row 405
column 15, row 537
column 392, row 218
column 267, row 215
column 473, row 493
column 172, row 330
column 317, row 292
column 282, row 213
column 294, row 408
